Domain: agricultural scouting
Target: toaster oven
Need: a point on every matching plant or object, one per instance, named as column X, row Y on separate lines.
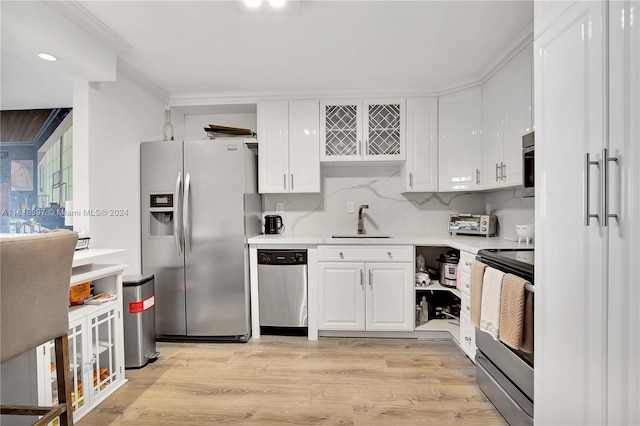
column 473, row 224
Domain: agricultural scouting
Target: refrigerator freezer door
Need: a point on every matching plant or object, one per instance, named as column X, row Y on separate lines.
column 160, row 166
column 216, row 286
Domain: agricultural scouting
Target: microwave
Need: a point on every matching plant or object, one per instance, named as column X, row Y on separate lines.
column 473, row 224
column 528, row 164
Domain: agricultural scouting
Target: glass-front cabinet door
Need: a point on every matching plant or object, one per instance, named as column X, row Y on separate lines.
column 384, row 129
column 341, row 130
column 77, row 364
column 102, row 357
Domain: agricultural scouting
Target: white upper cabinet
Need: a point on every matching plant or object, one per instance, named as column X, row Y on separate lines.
column 506, row 117
column 460, row 140
column 362, row 130
column 421, row 167
column 288, row 138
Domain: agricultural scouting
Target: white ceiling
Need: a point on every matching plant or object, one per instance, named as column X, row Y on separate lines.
column 189, row 49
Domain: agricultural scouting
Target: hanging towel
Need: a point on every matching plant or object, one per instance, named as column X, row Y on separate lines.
column 512, row 310
column 527, row 338
column 477, row 274
column 490, row 306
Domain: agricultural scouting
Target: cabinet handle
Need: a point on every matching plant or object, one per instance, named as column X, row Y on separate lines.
column 605, row 186
column 370, row 279
column 410, row 180
column 292, row 181
column 467, row 263
column 284, row 181
column 467, row 338
column 361, row 278
column 389, row 254
column 504, row 170
column 497, row 175
column 587, row 189
column 340, row 254
column 468, row 308
column 477, row 176
column 467, row 285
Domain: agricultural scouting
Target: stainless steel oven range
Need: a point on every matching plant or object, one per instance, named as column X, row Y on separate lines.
column 506, row 375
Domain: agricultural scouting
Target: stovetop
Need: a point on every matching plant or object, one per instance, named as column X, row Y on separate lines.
column 522, row 260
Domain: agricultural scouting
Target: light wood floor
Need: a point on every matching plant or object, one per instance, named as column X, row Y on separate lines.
column 290, row 381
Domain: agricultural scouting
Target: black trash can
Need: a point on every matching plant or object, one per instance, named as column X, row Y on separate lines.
column 139, row 320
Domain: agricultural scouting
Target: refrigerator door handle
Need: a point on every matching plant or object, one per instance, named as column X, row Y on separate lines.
column 177, row 220
column 185, row 214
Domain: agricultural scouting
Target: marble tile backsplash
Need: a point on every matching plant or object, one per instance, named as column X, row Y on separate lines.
column 390, row 211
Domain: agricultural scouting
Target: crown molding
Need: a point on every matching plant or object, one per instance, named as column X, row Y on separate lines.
column 80, row 16
column 143, row 81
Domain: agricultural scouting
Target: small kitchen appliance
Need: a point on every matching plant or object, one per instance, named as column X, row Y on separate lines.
column 473, row 224
column 448, row 263
column 273, row 224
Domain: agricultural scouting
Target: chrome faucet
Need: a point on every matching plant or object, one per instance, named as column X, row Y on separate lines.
column 360, row 223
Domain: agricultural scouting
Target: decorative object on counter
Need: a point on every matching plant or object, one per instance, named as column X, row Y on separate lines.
column 217, row 131
column 167, row 129
column 273, row 224
column 525, row 231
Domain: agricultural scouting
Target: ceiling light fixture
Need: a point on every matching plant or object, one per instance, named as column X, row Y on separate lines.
column 253, row 3
column 47, row 57
column 277, row 3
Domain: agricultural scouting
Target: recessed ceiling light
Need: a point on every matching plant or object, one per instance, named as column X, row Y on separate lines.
column 253, row 3
column 47, row 57
column 277, row 3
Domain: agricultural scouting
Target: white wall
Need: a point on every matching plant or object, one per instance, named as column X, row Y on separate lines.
column 118, row 116
column 511, row 210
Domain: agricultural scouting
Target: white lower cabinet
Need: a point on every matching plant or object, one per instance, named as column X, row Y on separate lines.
column 467, row 329
column 96, row 346
column 365, row 296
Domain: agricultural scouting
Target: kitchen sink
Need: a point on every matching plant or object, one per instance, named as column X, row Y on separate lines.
column 360, row 236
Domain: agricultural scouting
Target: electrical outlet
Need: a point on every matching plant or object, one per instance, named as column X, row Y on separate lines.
column 279, row 208
column 351, row 208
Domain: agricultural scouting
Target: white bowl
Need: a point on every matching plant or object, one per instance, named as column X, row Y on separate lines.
column 525, row 231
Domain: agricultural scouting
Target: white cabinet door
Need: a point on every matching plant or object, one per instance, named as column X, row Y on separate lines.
column 506, row 117
column 384, row 138
column 518, row 114
column 624, row 200
column 341, row 296
column 341, row 130
column 288, row 140
column 459, row 144
column 421, row 168
column 304, row 146
column 569, row 317
column 106, row 365
column 494, row 109
column 390, row 303
column 273, row 146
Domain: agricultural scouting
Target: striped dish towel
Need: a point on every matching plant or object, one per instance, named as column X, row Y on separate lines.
column 490, row 307
column 512, row 311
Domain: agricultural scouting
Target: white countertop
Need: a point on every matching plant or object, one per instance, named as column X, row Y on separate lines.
column 88, row 256
column 467, row 243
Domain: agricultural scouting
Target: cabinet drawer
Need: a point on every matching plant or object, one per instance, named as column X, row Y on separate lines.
column 366, row 253
column 465, row 260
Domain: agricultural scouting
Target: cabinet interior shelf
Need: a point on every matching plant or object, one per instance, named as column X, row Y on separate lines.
column 102, row 346
column 449, row 325
column 436, row 286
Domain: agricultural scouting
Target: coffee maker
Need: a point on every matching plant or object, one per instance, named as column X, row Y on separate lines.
column 273, row 224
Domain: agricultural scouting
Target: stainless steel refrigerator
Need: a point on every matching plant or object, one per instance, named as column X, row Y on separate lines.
column 199, row 206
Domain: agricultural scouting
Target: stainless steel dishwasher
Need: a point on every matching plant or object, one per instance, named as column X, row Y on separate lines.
column 282, row 288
